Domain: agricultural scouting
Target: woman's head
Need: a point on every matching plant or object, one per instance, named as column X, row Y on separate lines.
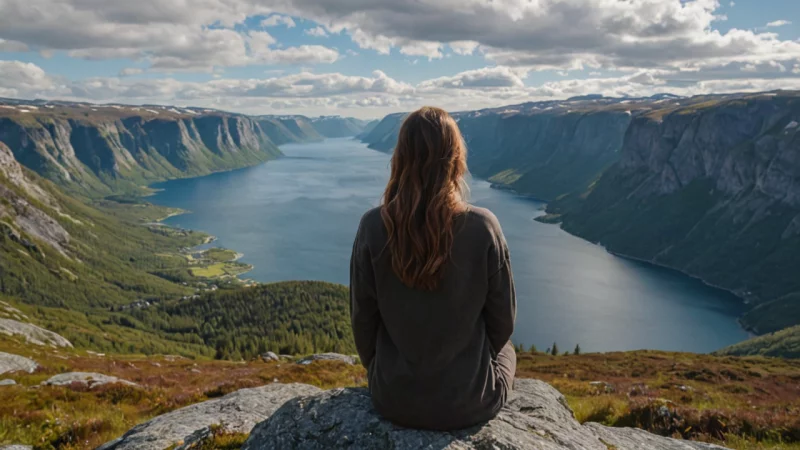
column 425, row 192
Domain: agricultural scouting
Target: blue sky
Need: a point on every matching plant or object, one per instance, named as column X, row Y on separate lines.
column 367, row 58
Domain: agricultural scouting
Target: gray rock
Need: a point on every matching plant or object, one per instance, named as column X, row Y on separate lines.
column 634, row 438
column 237, row 412
column 7, row 382
column 536, row 417
column 270, row 356
column 15, row 363
column 328, row 357
column 88, row 378
column 16, row 447
column 32, row 333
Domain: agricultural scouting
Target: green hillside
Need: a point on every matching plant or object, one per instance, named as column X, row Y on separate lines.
column 780, row 344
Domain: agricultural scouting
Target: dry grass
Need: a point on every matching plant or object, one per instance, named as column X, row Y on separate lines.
column 744, row 403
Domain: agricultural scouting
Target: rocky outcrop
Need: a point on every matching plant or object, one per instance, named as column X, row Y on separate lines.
column 7, row 382
column 235, row 412
column 32, row 334
column 328, row 357
column 16, row 447
column 536, row 416
column 89, row 379
column 711, row 189
column 108, row 149
column 14, row 363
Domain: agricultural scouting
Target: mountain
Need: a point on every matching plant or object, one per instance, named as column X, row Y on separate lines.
column 288, row 129
column 367, row 129
column 98, row 150
column 338, row 127
column 781, row 344
column 294, row 128
column 711, row 189
column 105, row 277
column 707, row 185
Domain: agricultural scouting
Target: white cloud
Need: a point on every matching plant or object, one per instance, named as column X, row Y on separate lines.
column 128, row 71
column 463, row 47
column 316, row 32
column 540, row 35
column 374, row 95
column 778, row 23
column 19, row 79
column 277, row 19
column 12, row 46
column 489, row 77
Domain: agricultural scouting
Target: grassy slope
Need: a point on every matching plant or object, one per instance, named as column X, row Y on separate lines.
column 123, row 287
column 783, row 343
column 746, row 403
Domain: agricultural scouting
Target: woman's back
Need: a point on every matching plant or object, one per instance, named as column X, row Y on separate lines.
column 436, row 358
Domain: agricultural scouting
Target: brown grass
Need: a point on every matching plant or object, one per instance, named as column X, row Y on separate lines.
column 746, row 403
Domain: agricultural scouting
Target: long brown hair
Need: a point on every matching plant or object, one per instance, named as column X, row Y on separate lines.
column 425, row 192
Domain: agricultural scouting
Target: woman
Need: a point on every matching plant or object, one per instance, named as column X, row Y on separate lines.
column 432, row 295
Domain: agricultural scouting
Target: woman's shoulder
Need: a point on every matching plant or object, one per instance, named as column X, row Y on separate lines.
column 483, row 216
column 371, row 220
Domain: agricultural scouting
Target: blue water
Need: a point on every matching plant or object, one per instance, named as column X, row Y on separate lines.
column 295, row 218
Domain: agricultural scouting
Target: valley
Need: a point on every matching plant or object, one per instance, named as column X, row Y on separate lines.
column 111, row 236
column 720, row 172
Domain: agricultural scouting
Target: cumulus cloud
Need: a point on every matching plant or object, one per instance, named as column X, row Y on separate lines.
column 778, row 23
column 128, row 71
column 276, row 20
column 316, row 32
column 490, row 77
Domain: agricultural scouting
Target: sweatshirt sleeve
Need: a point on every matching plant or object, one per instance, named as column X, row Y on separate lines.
column 501, row 302
column 364, row 316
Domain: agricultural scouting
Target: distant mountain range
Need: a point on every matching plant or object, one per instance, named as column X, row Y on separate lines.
column 708, row 185
column 98, row 150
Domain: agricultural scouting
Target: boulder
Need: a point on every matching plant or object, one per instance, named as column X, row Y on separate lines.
column 16, row 447
column 236, row 412
column 270, row 356
column 7, row 382
column 32, row 334
column 90, row 379
column 15, row 363
column 328, row 357
column 536, row 417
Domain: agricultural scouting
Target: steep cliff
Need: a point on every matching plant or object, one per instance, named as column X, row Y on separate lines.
column 101, row 149
column 711, row 189
column 543, row 154
column 543, row 149
column 288, row 129
column 338, row 127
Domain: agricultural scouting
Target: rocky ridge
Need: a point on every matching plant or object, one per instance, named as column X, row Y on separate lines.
column 297, row 416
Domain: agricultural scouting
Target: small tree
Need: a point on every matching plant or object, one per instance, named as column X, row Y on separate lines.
column 554, row 349
column 577, row 350
column 520, row 348
column 533, row 350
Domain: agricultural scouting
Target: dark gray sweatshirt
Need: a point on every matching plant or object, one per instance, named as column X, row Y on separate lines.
column 432, row 357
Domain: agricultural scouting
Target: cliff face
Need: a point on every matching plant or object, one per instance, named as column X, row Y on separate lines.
column 711, row 189
column 544, row 155
column 102, row 150
column 287, row 129
column 538, row 152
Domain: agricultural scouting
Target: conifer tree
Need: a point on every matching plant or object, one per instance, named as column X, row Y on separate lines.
column 554, row 349
column 577, row 350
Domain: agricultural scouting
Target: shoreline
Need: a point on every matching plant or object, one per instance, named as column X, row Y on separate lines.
column 746, row 302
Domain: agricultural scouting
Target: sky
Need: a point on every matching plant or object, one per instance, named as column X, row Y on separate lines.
column 367, row 58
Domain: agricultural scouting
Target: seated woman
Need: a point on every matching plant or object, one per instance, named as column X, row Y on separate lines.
column 432, row 294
